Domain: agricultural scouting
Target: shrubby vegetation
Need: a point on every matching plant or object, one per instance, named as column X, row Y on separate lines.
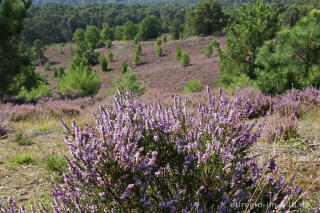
column 193, row 86
column 185, row 59
column 103, row 64
column 129, row 81
column 79, row 80
column 292, row 59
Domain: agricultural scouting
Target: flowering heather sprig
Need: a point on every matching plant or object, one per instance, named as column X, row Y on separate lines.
column 155, row 158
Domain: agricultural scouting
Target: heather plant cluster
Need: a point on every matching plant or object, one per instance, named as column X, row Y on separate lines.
column 177, row 157
column 43, row 109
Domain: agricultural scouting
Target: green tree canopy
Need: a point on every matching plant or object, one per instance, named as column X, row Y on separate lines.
column 292, row 59
column 92, row 37
column 130, row 30
column 207, row 18
column 257, row 23
column 149, row 28
column 12, row 15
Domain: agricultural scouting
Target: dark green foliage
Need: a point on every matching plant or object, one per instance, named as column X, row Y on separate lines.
column 149, row 28
column 208, row 50
column 129, row 81
column 136, row 58
column 58, row 72
column 193, row 86
column 177, row 54
column 206, row 19
column 47, row 66
column 38, row 49
column 292, row 59
column 92, row 37
column 185, row 59
column 106, row 33
column 80, row 79
column 103, row 64
column 110, row 57
column 130, row 31
column 56, row 23
column 176, row 29
column 138, row 49
column 41, row 90
column 257, row 23
column 164, row 38
column 159, row 51
column 108, row 44
column 124, row 67
column 25, row 81
column 12, row 58
column 159, row 42
column 79, row 40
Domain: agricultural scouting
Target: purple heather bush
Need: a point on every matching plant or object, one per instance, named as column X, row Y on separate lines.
column 173, row 158
column 297, row 102
column 260, row 104
column 170, row 159
column 282, row 128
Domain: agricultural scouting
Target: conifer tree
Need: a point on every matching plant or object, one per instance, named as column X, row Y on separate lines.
column 39, row 49
column 257, row 23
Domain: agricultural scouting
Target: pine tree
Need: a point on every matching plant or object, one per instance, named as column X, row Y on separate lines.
column 257, row 23
column 39, row 49
column 12, row 15
column 292, row 59
column 185, row 59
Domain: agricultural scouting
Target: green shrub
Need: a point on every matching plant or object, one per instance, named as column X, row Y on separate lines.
column 185, row 60
column 124, row 67
column 159, row 51
column 164, row 38
column 42, row 90
column 80, row 79
column 108, row 44
column 26, row 78
column 61, row 50
column 193, row 86
column 58, row 72
column 159, row 42
column 47, row 66
column 177, row 54
column 103, row 64
column 56, row 165
column 110, row 57
column 291, row 60
column 138, row 49
column 136, row 58
column 208, row 50
column 129, row 81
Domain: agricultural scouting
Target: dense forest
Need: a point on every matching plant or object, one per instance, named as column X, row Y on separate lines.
column 56, row 23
